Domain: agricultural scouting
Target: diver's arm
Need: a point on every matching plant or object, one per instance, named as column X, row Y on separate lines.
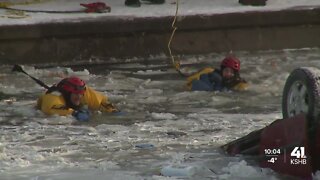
column 97, row 101
column 241, row 85
column 51, row 104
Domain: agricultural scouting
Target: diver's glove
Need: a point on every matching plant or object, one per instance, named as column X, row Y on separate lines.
column 81, row 115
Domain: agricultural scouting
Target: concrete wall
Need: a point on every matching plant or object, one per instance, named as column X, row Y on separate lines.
column 140, row 37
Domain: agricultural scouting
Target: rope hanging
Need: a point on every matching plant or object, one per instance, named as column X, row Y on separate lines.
column 175, row 62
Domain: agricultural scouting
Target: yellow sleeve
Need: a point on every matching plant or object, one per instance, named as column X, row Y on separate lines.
column 51, row 104
column 97, row 101
column 197, row 75
column 241, row 86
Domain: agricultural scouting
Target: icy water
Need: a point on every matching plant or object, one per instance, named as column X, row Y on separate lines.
column 165, row 128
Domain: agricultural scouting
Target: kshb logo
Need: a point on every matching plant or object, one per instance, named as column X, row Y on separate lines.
column 298, row 156
column 298, row 152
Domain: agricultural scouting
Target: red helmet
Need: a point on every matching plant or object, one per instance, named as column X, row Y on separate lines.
column 231, row 62
column 73, row 85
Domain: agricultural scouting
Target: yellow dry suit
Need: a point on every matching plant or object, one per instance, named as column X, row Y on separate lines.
column 54, row 103
column 197, row 75
column 202, row 81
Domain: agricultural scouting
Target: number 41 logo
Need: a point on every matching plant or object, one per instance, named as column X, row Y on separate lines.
column 298, row 152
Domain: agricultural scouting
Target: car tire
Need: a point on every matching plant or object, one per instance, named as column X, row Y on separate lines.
column 301, row 94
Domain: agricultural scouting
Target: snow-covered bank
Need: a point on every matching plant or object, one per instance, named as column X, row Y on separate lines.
column 186, row 7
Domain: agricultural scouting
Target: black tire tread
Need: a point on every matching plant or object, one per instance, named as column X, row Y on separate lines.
column 310, row 76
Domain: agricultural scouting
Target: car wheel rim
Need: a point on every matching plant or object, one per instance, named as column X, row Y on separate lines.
column 298, row 100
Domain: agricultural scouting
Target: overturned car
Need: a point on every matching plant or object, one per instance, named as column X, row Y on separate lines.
column 290, row 145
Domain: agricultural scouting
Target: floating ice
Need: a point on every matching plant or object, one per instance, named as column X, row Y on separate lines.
column 160, row 112
column 163, row 116
column 242, row 171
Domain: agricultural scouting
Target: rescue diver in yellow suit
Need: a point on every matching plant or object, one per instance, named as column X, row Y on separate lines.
column 224, row 79
column 71, row 96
